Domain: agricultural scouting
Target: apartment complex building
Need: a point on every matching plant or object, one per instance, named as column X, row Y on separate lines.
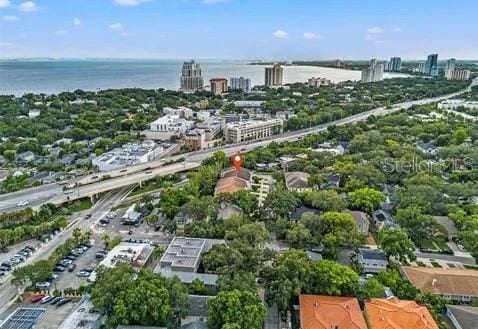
column 273, row 75
column 218, row 86
column 241, row 131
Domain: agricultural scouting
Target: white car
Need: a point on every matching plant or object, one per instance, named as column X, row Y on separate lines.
column 43, row 285
column 23, row 204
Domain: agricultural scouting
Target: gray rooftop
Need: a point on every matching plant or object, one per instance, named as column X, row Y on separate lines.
column 372, row 254
column 23, row 318
column 466, row 316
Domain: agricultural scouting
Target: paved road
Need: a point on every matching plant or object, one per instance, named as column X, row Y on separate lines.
column 54, row 192
column 8, row 291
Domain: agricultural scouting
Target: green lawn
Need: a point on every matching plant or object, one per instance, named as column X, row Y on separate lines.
column 435, row 264
column 471, row 267
column 421, row 264
column 79, row 205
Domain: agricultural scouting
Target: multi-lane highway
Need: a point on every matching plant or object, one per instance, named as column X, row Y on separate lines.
column 102, row 182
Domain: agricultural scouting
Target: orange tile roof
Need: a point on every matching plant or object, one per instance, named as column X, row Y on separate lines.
column 447, row 281
column 393, row 313
column 326, row 312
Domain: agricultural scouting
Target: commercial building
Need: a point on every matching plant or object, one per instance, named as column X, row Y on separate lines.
column 394, row 313
column 191, row 77
column 317, row 82
column 460, row 285
column 128, row 154
column 207, row 134
column 371, row 260
column 329, row 312
column 135, row 254
column 453, row 104
column 240, row 84
column 395, row 64
column 373, row 73
column 431, row 65
column 450, row 67
column 183, row 257
column 273, row 76
column 218, row 86
column 233, row 180
column 23, row 317
column 168, row 126
column 237, row 132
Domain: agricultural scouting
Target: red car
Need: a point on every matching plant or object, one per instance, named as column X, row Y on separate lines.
column 37, row 298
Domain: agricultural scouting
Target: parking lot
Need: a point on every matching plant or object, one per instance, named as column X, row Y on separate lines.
column 53, row 317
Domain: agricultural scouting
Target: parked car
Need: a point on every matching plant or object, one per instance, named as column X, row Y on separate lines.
column 59, row 269
column 46, row 299
column 88, row 269
column 100, row 255
column 55, row 300
column 83, row 274
column 71, row 257
column 71, row 267
column 5, row 269
column 6, row 264
column 4, row 249
column 63, row 301
column 37, row 298
column 23, row 203
column 43, row 285
column 2, row 273
column 87, row 216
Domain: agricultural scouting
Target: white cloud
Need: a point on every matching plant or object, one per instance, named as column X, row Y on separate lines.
column 10, row 18
column 76, row 21
column 28, row 6
column 397, row 30
column 280, row 34
column 375, row 30
column 61, row 32
column 115, row 26
column 129, row 3
column 4, row 3
column 309, row 35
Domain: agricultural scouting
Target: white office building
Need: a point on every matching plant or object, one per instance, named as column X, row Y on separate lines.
column 168, row 126
column 240, row 84
column 373, row 73
column 127, row 155
column 241, row 131
column 453, row 104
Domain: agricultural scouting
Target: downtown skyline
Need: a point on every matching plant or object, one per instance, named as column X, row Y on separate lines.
column 236, row 29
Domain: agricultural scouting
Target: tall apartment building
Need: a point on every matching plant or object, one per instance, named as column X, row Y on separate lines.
column 191, row 77
column 460, row 74
column 237, row 132
column 240, row 84
column 431, row 66
column 317, row 82
column 450, row 67
column 218, row 86
column 373, row 73
column 420, row 67
column 273, row 75
column 395, row 64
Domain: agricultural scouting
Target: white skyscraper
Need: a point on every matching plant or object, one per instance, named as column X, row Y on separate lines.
column 450, row 67
column 273, row 75
column 191, row 77
column 373, row 73
column 240, row 83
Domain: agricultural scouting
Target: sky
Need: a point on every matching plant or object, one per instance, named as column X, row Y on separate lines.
column 239, row 29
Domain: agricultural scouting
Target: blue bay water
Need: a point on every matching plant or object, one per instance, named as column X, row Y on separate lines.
column 53, row 76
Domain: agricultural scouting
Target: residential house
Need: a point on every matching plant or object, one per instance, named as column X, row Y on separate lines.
column 330, row 312
column 462, row 317
column 297, row 181
column 297, row 213
column 460, row 285
column 331, row 181
column 233, row 180
column 400, row 314
column 361, row 220
column 427, row 147
column 25, row 157
column 382, row 219
column 371, row 260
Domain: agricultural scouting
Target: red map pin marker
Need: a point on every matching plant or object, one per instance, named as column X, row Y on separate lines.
column 237, row 161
